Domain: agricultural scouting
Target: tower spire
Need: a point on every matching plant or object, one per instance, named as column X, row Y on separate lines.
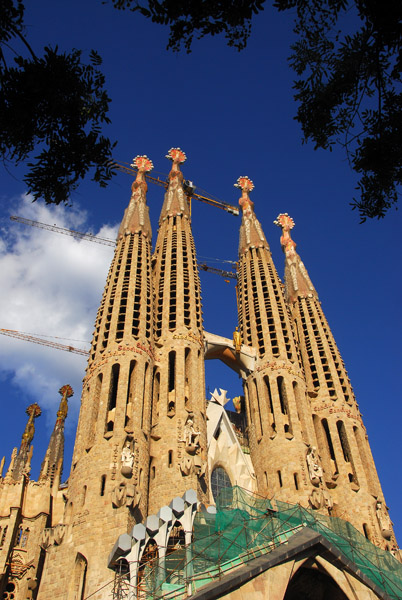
column 275, row 395
column 348, row 468
column 22, row 459
column 297, row 280
column 251, row 233
column 178, row 433
column 52, row 465
column 136, row 215
column 175, row 203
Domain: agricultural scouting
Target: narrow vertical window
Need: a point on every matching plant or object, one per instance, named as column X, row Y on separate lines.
column 258, row 411
column 170, row 459
column 155, row 397
column 171, row 409
column 144, row 408
column 282, row 395
column 296, row 480
column 280, row 478
column 130, row 395
column 103, row 485
column 112, row 398
column 172, row 367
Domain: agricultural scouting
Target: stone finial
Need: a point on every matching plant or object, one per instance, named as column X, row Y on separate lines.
column 66, row 392
column 251, row 233
column 143, row 164
column 286, row 223
column 176, row 155
column 297, row 280
column 175, row 202
column 136, row 217
column 246, row 186
column 33, row 411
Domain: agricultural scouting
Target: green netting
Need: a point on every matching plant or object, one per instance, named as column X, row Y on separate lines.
column 246, row 526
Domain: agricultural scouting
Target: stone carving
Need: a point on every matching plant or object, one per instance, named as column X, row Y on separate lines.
column 321, row 499
column 127, row 459
column 119, row 495
column 18, row 567
column 200, row 464
column 58, row 533
column 191, row 436
column 133, row 496
column 126, row 494
column 46, row 539
column 314, row 467
column 237, row 340
column 186, row 465
column 383, row 520
column 193, row 464
column 53, row 535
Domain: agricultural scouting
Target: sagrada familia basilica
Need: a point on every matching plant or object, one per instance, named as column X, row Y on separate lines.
column 170, row 495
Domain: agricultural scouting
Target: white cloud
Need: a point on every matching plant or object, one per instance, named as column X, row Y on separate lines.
column 51, row 285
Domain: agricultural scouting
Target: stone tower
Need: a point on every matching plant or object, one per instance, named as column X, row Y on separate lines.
column 178, row 430
column 275, row 392
column 348, row 472
column 107, row 488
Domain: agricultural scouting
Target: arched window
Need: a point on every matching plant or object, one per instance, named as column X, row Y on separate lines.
column 78, row 580
column 219, row 480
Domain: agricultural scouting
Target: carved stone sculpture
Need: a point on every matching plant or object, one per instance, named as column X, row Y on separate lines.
column 191, row 437
column 127, row 460
column 314, row 466
column 383, row 520
column 119, row 495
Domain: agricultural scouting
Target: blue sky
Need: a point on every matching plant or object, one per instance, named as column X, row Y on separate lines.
column 232, row 113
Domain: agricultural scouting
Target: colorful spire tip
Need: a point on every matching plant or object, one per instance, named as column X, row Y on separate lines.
column 142, row 163
column 284, row 221
column 176, row 155
column 244, row 183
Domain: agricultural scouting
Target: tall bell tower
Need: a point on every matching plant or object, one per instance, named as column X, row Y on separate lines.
column 275, row 392
column 178, row 429
column 348, row 473
column 108, row 484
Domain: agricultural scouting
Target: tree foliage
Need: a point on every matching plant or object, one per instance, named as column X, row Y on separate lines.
column 347, row 58
column 54, row 106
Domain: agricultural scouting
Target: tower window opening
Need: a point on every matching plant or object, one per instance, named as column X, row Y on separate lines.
column 296, row 480
column 170, row 459
column 114, row 381
column 280, row 478
column 155, row 397
column 282, row 395
column 130, row 393
column 366, row 531
column 146, row 391
column 343, row 439
column 172, row 368
column 328, row 437
column 103, row 485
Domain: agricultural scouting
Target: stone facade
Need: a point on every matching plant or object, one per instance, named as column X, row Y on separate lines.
column 145, row 434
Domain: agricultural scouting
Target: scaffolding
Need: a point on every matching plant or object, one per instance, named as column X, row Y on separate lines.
column 247, row 526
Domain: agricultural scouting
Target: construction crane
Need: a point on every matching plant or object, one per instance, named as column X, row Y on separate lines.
column 88, row 237
column 43, row 342
column 228, row 274
column 75, row 234
column 189, row 189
